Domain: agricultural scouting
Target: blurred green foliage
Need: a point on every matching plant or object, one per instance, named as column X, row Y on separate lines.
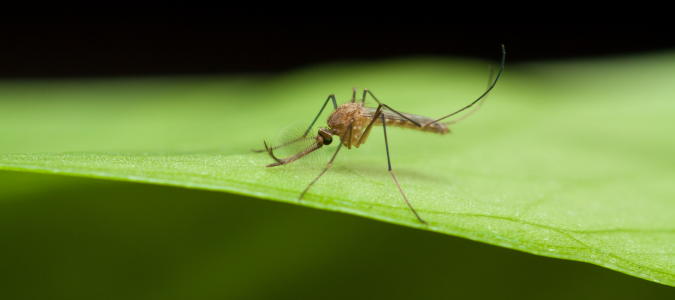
column 568, row 160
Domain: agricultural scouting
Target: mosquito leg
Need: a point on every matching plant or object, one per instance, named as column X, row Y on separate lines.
column 366, row 132
column 391, row 109
column 480, row 104
column 363, row 101
column 483, row 95
column 351, row 128
column 407, row 118
column 354, row 95
column 331, row 96
column 270, row 151
column 386, row 144
column 331, row 160
column 304, row 136
column 454, row 113
column 371, row 94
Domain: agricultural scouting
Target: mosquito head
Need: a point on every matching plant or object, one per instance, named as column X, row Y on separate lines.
column 325, row 134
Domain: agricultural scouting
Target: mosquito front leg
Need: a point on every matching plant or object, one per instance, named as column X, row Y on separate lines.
column 331, row 160
column 335, row 106
column 304, row 136
column 386, row 145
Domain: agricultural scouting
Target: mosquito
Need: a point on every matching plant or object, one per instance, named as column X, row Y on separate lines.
column 353, row 122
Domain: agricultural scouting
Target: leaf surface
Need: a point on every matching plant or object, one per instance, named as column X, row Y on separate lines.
column 570, row 160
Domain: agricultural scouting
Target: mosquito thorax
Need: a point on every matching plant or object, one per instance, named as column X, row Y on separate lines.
column 340, row 119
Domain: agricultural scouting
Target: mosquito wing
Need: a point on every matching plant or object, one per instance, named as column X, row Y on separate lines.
column 394, row 119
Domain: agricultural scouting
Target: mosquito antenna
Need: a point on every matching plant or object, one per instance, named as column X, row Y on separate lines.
column 479, row 104
column 481, row 97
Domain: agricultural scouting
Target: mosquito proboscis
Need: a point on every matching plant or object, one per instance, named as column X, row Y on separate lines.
column 353, row 122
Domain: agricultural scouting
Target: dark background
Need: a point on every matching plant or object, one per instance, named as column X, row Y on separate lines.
column 66, row 47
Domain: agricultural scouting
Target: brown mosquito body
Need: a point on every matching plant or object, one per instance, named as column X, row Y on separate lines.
column 353, row 122
column 361, row 115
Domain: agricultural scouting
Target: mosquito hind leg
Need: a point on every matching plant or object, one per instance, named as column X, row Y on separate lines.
column 490, row 87
column 501, row 68
column 480, row 104
column 386, row 145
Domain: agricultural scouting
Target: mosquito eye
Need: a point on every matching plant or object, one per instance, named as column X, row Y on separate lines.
column 327, row 138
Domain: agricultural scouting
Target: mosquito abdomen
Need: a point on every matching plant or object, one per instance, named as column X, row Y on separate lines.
column 393, row 119
column 439, row 128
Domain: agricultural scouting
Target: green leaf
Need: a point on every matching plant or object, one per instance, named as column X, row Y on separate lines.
column 570, row 160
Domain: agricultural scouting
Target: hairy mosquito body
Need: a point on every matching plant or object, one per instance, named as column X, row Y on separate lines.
column 352, row 122
column 361, row 115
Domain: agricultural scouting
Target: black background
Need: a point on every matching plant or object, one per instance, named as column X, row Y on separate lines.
column 65, row 47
